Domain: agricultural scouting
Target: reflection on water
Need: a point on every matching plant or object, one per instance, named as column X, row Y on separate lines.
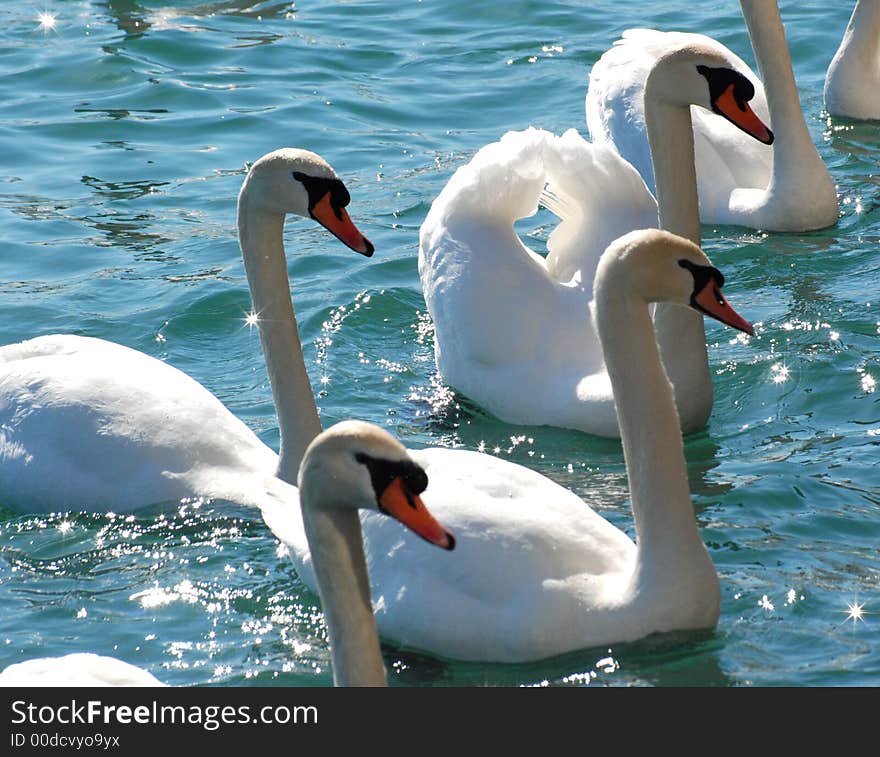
column 671, row 659
column 136, row 19
column 129, row 17
column 123, row 190
column 123, row 228
column 120, row 113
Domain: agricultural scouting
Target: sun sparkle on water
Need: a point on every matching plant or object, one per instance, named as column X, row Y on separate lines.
column 855, row 612
column 780, row 373
column 47, row 21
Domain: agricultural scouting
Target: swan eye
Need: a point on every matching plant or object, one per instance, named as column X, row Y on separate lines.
column 383, row 472
column 318, row 187
column 720, row 80
column 702, row 274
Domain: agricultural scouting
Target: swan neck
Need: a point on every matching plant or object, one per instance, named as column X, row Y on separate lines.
column 262, row 246
column 767, row 35
column 681, row 333
column 336, row 546
column 851, row 80
column 862, row 36
column 671, row 139
column 649, row 423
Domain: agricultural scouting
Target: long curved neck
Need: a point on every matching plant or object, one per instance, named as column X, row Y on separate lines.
column 681, row 334
column 262, row 245
column 862, row 31
column 345, row 595
column 794, row 153
column 862, row 36
column 858, row 47
column 671, row 139
column 649, row 425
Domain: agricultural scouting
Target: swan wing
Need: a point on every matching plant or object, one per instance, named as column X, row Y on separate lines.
column 598, row 197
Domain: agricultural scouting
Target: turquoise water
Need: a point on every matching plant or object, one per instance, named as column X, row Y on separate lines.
column 124, row 133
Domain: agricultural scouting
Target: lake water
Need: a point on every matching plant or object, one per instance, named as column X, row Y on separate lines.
column 125, row 130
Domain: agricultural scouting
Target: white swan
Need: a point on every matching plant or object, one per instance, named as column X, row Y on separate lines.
column 90, row 424
column 740, row 182
column 352, row 465
column 512, row 330
column 852, row 83
column 537, row 572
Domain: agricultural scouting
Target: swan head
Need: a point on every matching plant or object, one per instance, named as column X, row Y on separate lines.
column 699, row 75
column 302, row 183
column 359, row 465
column 657, row 266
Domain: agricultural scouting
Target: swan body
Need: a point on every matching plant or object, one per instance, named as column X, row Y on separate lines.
column 537, row 572
column 93, row 425
column 512, row 329
column 78, row 669
column 852, row 83
column 740, row 181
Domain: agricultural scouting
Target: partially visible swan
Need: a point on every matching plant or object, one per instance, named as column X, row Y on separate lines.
column 852, row 83
column 93, row 425
column 512, row 330
column 77, row 669
column 786, row 188
column 352, row 465
column 536, row 571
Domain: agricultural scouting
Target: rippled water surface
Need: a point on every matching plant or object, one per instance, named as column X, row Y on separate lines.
column 125, row 132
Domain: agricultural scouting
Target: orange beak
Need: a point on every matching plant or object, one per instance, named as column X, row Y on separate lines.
column 710, row 300
column 409, row 509
column 337, row 222
column 740, row 114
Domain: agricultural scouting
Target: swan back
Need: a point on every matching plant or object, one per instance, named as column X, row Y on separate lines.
column 501, row 183
column 77, row 669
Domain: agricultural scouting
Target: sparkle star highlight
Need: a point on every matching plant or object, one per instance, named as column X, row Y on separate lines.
column 47, row 21
column 855, row 612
